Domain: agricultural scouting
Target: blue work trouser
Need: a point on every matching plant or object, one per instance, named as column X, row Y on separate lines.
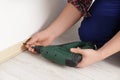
column 103, row 23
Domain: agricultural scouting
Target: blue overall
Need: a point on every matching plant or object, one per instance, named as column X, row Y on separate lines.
column 103, row 23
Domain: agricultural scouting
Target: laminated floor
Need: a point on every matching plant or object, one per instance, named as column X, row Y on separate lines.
column 27, row 66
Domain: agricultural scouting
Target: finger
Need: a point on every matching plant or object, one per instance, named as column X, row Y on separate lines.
column 30, row 49
column 32, row 41
column 27, row 46
column 76, row 50
column 33, row 51
column 37, row 44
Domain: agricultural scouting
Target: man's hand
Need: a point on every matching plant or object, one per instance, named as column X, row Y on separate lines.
column 90, row 56
column 42, row 38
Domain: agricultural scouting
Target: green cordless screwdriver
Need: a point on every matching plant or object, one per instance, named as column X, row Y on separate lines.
column 61, row 54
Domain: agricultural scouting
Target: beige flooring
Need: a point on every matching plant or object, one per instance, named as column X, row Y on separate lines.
column 27, row 66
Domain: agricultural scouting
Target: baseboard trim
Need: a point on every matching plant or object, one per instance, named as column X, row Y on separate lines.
column 12, row 51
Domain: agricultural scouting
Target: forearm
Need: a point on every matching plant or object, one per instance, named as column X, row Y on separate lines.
column 111, row 47
column 69, row 16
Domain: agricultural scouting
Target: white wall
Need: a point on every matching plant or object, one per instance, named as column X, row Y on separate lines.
column 19, row 19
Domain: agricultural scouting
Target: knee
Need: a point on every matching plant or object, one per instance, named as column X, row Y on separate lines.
column 89, row 33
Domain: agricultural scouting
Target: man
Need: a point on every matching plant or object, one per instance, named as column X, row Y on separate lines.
column 100, row 26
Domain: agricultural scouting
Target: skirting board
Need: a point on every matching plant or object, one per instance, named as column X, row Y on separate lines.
column 12, row 51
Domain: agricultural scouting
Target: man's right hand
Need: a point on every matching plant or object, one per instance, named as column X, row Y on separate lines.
column 42, row 38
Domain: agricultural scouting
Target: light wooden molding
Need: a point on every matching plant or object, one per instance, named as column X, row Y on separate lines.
column 11, row 52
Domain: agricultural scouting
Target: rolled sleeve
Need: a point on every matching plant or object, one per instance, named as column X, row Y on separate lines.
column 82, row 5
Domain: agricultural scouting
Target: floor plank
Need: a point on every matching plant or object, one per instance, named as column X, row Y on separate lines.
column 27, row 66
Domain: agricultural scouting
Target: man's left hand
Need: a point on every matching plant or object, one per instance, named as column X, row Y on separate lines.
column 90, row 56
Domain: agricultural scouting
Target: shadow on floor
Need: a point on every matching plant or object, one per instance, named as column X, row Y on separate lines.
column 114, row 60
